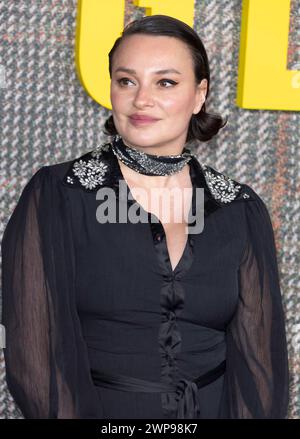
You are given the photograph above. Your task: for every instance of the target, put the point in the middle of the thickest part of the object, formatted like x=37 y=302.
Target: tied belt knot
x=186 y=390
x=187 y=397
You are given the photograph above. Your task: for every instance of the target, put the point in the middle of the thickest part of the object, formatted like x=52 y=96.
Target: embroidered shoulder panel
x=89 y=171
x=223 y=188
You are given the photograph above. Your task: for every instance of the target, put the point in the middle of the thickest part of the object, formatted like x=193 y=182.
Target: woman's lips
x=142 y=120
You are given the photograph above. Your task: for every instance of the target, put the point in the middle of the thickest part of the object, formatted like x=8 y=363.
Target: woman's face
x=170 y=98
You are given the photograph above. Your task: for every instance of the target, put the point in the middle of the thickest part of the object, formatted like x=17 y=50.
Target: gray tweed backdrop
x=47 y=117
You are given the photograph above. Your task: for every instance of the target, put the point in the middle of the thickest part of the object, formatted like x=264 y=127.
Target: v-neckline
x=177 y=266
x=160 y=224
x=162 y=247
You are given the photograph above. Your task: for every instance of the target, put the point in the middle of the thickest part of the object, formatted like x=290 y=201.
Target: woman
x=142 y=319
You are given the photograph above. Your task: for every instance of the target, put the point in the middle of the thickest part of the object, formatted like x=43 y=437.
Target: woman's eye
x=168 y=81
x=122 y=81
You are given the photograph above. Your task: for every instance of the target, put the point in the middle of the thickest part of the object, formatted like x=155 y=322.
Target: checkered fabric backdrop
x=47 y=117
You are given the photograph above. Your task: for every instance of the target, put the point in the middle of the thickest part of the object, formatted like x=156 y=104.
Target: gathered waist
x=186 y=390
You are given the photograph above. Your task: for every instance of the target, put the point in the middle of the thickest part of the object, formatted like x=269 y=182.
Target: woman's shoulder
x=58 y=170
x=255 y=206
x=86 y=170
x=226 y=188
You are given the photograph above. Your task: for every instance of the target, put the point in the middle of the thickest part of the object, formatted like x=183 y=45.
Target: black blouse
x=99 y=325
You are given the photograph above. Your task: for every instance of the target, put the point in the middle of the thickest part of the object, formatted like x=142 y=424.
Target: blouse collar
x=100 y=167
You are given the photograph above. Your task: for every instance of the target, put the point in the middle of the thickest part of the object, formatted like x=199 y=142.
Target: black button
x=171 y=315
x=169 y=357
x=170 y=360
x=157 y=237
x=168 y=277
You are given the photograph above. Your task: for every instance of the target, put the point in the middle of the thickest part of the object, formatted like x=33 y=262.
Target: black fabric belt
x=187 y=391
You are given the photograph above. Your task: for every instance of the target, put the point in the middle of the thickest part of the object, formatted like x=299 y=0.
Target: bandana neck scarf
x=149 y=164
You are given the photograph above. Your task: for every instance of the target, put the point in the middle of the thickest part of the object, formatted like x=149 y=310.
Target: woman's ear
x=201 y=95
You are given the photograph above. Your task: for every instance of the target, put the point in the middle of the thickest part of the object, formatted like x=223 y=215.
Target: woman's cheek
x=173 y=106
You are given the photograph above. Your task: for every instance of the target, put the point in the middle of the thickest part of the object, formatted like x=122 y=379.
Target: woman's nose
x=144 y=96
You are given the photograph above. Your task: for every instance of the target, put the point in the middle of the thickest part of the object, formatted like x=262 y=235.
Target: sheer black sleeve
x=47 y=368
x=256 y=381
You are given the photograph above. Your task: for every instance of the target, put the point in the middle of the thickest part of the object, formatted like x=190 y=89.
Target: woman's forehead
x=151 y=50
x=146 y=40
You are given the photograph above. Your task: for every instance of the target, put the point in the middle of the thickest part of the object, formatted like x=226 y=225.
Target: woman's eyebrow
x=158 y=72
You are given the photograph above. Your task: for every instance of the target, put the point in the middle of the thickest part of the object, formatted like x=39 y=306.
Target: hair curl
x=203 y=125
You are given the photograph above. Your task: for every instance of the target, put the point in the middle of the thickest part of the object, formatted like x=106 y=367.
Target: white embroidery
x=70 y=179
x=97 y=152
x=92 y=172
x=223 y=188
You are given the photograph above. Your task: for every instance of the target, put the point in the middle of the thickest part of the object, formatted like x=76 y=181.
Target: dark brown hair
x=203 y=126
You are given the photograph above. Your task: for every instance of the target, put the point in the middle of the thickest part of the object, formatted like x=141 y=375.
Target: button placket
x=172 y=298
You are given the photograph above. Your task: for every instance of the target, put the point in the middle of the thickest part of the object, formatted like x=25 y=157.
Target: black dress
x=99 y=325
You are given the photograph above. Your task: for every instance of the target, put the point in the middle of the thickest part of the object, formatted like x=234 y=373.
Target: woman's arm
x=47 y=369
x=257 y=376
